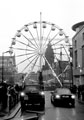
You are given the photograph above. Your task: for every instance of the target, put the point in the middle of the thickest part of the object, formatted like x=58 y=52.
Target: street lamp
x=10 y=51
x=80 y=75
x=80 y=70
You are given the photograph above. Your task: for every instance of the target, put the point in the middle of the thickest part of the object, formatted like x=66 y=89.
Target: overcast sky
x=16 y=13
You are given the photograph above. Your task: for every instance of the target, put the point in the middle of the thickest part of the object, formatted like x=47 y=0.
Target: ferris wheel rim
x=32 y=23
x=49 y=23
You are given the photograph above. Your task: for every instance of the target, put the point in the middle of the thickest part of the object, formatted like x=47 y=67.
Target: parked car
x=32 y=99
x=62 y=96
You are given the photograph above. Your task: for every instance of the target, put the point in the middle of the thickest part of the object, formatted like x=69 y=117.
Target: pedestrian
x=78 y=92
x=4 y=96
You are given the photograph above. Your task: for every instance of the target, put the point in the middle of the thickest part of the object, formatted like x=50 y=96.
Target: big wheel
x=30 y=43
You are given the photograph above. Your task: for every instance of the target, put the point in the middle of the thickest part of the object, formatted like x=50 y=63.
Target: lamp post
x=80 y=75
x=80 y=71
x=71 y=64
x=2 y=67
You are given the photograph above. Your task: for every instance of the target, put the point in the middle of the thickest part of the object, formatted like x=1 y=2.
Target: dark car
x=63 y=96
x=32 y=99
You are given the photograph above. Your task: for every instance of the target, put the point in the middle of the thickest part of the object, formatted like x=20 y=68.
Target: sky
x=16 y=13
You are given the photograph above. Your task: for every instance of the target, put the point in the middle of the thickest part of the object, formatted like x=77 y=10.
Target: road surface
x=55 y=113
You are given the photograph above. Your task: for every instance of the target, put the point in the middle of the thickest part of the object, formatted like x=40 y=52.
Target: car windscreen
x=31 y=88
x=63 y=91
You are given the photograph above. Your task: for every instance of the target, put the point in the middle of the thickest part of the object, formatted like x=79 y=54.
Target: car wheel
x=42 y=106
x=73 y=105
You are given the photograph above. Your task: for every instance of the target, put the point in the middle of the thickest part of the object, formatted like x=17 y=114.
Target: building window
x=83 y=35
x=75 y=43
x=76 y=64
x=83 y=56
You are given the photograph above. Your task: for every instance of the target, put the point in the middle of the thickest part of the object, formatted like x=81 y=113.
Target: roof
x=77 y=25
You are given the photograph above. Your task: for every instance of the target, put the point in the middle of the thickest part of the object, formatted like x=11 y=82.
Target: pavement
x=16 y=109
x=11 y=114
x=80 y=101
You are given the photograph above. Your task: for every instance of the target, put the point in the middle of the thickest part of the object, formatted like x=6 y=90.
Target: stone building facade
x=7 y=67
x=78 y=53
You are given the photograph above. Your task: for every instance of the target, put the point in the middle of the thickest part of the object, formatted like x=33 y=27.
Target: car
x=62 y=96
x=32 y=99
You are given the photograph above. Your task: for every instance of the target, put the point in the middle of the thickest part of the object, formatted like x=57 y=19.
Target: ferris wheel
x=30 y=43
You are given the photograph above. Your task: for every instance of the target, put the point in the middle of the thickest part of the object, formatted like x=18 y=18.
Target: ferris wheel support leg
x=55 y=75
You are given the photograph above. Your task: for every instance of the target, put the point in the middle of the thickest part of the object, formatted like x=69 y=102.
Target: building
x=59 y=68
x=49 y=54
x=7 y=67
x=78 y=53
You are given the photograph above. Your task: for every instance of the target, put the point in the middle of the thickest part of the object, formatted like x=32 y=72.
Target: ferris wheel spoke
x=21 y=42
x=58 y=41
x=56 y=58
x=30 y=63
x=30 y=57
x=42 y=32
x=32 y=53
x=37 y=34
x=53 y=37
x=33 y=38
x=58 y=48
x=20 y=55
x=35 y=62
x=25 y=59
x=46 y=39
x=66 y=52
x=30 y=41
x=59 y=54
x=63 y=70
x=32 y=47
x=23 y=49
x=24 y=54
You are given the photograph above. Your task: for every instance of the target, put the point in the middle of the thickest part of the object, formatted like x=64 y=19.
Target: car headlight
x=42 y=93
x=57 y=96
x=73 y=96
x=22 y=94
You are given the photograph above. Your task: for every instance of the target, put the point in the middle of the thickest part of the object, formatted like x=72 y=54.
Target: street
x=60 y=113
x=55 y=113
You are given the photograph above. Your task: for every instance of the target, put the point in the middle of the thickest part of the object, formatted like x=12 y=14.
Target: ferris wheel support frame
x=55 y=75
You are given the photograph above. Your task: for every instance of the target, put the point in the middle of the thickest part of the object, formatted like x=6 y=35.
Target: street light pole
x=2 y=67
x=80 y=70
x=80 y=76
x=71 y=64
